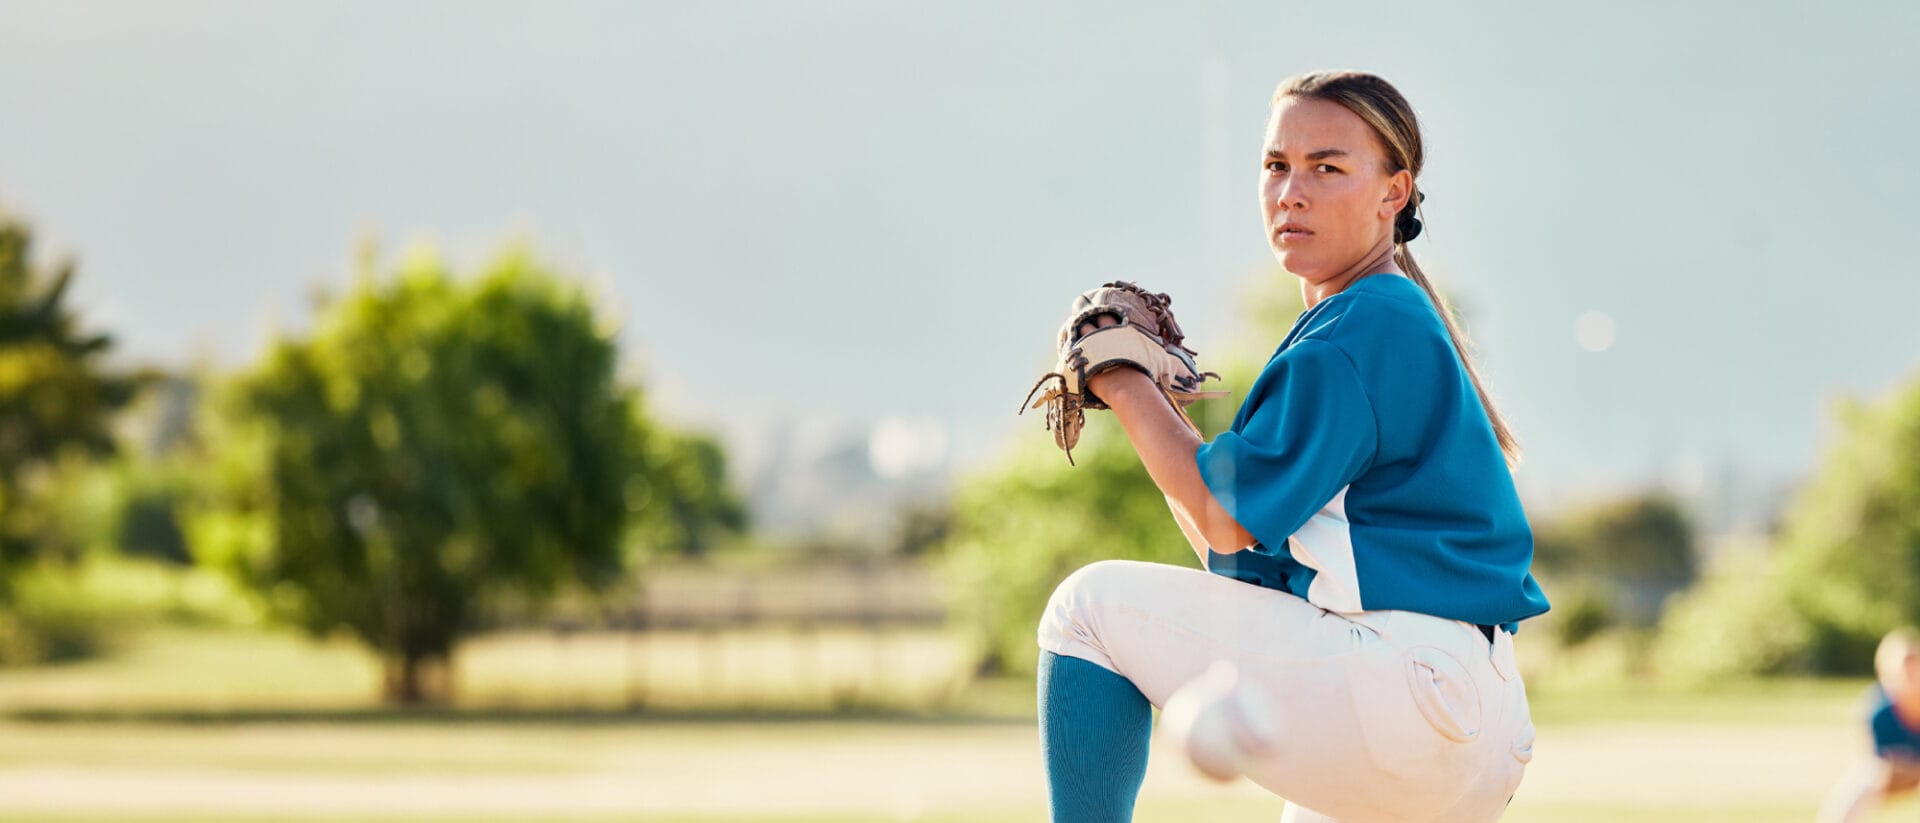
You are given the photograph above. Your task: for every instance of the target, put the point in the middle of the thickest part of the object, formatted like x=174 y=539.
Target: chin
x=1296 y=265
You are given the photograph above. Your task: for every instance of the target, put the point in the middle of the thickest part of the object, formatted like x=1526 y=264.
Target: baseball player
x=1349 y=645
x=1893 y=716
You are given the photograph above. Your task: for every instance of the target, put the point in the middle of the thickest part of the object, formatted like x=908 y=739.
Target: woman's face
x=1327 y=191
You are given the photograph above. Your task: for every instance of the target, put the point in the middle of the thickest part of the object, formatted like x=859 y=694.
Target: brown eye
x=1276 y=166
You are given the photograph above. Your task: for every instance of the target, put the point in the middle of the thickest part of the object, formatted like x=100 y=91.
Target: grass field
x=200 y=726
x=205 y=670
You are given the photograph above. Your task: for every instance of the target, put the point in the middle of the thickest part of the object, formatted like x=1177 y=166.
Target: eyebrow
x=1317 y=154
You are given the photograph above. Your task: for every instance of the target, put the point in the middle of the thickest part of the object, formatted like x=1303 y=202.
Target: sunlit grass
x=172 y=670
x=161 y=668
x=210 y=709
x=1181 y=811
x=1794 y=702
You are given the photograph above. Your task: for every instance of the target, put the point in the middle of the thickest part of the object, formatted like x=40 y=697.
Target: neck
x=1378 y=261
x=1906 y=706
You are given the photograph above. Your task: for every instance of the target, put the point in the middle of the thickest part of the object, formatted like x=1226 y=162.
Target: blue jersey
x=1365 y=467
x=1891 y=738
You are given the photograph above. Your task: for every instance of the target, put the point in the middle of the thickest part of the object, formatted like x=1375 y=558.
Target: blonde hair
x=1381 y=105
x=1891 y=660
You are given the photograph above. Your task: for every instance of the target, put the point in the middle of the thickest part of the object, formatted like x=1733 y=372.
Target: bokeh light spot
x=1594 y=331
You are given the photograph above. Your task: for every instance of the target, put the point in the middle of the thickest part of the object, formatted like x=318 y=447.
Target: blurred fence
x=890 y=593
x=832 y=634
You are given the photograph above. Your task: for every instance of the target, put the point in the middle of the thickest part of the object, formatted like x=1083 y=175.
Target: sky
x=1677 y=232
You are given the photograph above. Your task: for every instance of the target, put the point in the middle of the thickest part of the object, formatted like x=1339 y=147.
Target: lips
x=1289 y=232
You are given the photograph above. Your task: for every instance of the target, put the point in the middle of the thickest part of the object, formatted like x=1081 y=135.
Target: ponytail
x=1382 y=106
x=1509 y=445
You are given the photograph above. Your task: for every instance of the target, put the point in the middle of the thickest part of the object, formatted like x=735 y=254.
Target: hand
x=1118 y=327
x=1099 y=321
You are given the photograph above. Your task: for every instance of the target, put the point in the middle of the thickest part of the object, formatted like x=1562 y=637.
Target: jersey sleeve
x=1891 y=737
x=1308 y=430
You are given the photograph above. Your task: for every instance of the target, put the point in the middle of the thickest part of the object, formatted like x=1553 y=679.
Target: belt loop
x=1503 y=661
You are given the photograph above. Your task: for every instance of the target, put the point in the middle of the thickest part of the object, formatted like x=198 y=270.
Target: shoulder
x=1384 y=309
x=1388 y=329
x=1305 y=362
x=1888 y=729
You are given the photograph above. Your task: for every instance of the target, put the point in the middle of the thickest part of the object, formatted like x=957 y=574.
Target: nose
x=1289 y=194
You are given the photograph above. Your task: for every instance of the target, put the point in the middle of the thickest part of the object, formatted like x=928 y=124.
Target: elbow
x=1224 y=534
x=1228 y=538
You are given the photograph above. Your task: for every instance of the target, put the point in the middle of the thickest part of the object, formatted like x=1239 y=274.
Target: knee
x=1069 y=610
x=1089 y=582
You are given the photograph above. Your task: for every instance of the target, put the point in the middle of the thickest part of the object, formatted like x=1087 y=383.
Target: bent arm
x=1855 y=797
x=1166 y=447
x=1194 y=538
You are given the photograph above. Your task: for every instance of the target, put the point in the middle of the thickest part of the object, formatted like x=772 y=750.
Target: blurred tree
x=436 y=442
x=1644 y=536
x=1580 y=612
x=144 y=513
x=1634 y=551
x=1019 y=529
x=56 y=396
x=1737 y=623
x=132 y=504
x=685 y=505
x=923 y=527
x=1850 y=545
x=1845 y=568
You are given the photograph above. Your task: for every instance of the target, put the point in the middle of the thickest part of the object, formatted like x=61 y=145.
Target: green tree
x=685 y=504
x=57 y=398
x=1637 y=537
x=1022 y=528
x=1736 y=623
x=923 y=528
x=1018 y=529
x=1850 y=546
x=1627 y=554
x=1845 y=568
x=432 y=444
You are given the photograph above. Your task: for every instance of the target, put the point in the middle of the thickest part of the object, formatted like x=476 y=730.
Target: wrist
x=1119 y=384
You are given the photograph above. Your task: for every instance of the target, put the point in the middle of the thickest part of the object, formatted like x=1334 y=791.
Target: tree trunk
x=415 y=678
x=403 y=681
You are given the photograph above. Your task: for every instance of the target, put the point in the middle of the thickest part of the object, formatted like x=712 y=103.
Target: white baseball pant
x=1380 y=715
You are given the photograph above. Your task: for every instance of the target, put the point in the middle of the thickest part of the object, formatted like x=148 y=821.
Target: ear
x=1399 y=188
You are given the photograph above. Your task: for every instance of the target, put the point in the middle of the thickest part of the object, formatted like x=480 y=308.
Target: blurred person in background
x=1893 y=715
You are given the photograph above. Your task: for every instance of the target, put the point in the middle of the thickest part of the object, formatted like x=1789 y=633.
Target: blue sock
x=1093 y=736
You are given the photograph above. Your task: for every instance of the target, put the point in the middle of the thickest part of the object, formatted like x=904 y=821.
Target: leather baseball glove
x=1143 y=335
